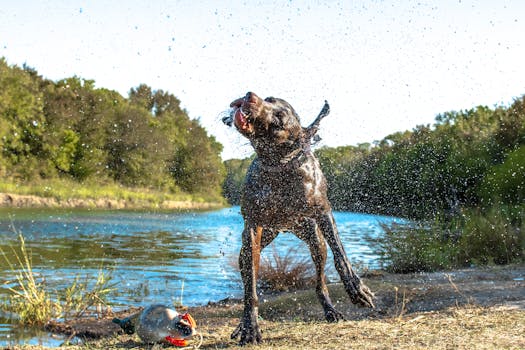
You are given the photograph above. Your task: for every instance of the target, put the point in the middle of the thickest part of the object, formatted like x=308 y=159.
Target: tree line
x=460 y=182
x=466 y=159
x=70 y=128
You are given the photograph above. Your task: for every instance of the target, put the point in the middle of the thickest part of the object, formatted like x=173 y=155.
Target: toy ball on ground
x=160 y=324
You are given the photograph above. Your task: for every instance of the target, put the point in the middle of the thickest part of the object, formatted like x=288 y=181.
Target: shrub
x=496 y=236
x=416 y=247
x=476 y=237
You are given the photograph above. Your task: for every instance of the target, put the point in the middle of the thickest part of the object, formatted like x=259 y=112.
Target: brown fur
x=285 y=190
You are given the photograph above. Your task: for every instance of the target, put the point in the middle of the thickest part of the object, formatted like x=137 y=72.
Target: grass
x=454 y=328
x=28 y=298
x=33 y=304
x=458 y=328
x=279 y=273
x=80 y=296
x=293 y=320
x=64 y=189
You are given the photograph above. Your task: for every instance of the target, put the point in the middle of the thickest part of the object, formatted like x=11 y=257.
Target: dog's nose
x=251 y=97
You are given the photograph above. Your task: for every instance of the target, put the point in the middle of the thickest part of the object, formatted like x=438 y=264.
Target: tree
x=21 y=121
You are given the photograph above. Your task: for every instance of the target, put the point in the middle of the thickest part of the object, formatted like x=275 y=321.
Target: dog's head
x=271 y=125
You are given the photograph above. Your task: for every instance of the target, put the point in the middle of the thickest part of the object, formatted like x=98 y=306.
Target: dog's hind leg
x=310 y=233
x=357 y=290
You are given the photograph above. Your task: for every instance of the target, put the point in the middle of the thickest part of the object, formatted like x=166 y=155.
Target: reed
x=31 y=301
x=84 y=295
x=28 y=298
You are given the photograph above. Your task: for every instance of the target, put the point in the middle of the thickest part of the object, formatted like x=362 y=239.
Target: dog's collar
x=292 y=160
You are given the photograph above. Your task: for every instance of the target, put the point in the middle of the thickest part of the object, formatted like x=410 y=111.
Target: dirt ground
x=465 y=303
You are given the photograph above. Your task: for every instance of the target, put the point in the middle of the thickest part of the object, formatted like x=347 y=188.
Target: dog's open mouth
x=241 y=120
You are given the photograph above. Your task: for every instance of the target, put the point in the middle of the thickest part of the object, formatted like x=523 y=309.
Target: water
x=153 y=257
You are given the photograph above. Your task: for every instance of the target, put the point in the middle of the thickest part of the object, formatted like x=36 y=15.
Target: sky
x=384 y=66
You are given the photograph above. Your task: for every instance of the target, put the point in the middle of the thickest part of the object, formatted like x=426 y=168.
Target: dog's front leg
x=249 y=259
x=357 y=290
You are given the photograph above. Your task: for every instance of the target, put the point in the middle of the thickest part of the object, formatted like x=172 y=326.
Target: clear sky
x=384 y=66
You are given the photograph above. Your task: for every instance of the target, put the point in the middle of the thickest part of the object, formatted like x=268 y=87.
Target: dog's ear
x=312 y=129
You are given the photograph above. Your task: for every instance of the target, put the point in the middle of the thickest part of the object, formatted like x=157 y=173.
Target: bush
x=27 y=298
x=493 y=237
x=505 y=182
x=406 y=248
x=496 y=236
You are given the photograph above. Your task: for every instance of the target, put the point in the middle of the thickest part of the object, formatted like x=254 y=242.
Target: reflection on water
x=152 y=255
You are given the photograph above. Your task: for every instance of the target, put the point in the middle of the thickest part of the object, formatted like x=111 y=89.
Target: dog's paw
x=363 y=296
x=250 y=334
x=333 y=316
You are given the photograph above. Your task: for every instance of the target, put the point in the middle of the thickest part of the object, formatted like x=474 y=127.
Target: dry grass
x=279 y=273
x=453 y=328
x=464 y=328
x=470 y=309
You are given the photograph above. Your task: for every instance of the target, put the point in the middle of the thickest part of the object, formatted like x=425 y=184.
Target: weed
x=399 y=305
x=79 y=297
x=285 y=273
x=28 y=299
x=34 y=304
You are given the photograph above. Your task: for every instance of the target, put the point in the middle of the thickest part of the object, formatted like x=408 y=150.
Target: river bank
x=479 y=308
x=31 y=201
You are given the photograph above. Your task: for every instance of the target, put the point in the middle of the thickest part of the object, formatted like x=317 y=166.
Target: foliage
x=465 y=174
x=235 y=172
x=495 y=236
x=69 y=129
x=428 y=171
x=505 y=182
x=417 y=247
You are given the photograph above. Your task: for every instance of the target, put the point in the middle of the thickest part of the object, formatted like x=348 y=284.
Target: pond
x=154 y=257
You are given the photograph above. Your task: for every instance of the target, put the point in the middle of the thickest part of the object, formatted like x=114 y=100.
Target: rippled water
x=154 y=257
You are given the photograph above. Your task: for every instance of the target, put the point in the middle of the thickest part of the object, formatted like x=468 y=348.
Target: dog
x=285 y=191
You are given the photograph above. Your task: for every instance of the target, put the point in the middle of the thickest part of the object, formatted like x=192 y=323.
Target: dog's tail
x=312 y=129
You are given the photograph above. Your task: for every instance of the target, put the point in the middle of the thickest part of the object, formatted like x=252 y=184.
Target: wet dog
x=285 y=190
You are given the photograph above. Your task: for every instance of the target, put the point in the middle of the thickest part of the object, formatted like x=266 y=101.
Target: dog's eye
x=270 y=99
x=277 y=119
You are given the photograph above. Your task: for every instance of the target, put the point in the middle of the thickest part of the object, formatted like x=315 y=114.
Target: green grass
x=28 y=299
x=64 y=189
x=33 y=303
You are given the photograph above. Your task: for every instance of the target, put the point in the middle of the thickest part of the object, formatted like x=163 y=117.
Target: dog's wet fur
x=285 y=191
